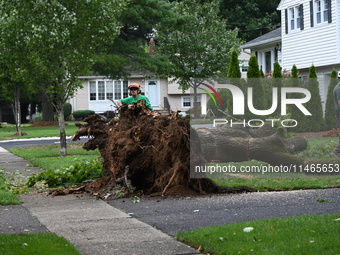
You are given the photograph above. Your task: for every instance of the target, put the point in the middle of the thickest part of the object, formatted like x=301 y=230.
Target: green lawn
x=317 y=234
x=7 y=131
x=36 y=244
x=48 y=156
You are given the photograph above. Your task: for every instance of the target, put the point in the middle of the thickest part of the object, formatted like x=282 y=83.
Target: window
x=106 y=89
x=294 y=18
x=101 y=90
x=244 y=67
x=118 y=90
x=188 y=101
x=325 y=11
x=93 y=90
x=109 y=90
x=320 y=12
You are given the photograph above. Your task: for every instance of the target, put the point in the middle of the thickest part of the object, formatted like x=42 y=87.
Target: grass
x=32 y=244
x=6 y=196
x=318 y=234
x=7 y=131
x=48 y=156
x=319 y=149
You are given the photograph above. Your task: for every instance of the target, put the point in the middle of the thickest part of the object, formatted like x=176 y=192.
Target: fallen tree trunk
x=227 y=144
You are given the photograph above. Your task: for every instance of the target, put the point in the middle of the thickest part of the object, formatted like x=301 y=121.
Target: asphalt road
x=173 y=215
x=35 y=141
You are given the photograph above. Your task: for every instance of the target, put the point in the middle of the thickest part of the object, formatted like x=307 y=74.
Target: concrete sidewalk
x=95 y=227
x=92 y=225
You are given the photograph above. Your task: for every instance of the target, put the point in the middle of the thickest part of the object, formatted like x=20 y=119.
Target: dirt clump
x=144 y=152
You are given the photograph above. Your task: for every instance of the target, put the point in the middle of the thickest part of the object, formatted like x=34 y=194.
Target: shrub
x=67 y=111
x=81 y=114
x=74 y=174
x=330 y=111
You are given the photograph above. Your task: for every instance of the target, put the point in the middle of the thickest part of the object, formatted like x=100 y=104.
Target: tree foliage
x=295 y=113
x=254 y=82
x=330 y=111
x=50 y=43
x=198 y=45
x=315 y=122
x=130 y=51
x=252 y=18
x=234 y=65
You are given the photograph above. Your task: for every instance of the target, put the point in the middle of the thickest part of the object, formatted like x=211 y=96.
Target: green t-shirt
x=130 y=100
x=336 y=94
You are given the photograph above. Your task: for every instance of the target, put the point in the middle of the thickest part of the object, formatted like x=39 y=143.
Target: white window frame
x=190 y=99
x=294 y=18
x=321 y=10
x=105 y=95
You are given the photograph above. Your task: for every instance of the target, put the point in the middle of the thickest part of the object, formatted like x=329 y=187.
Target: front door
x=153 y=92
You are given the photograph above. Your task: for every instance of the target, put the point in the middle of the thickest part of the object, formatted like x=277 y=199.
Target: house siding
x=323 y=46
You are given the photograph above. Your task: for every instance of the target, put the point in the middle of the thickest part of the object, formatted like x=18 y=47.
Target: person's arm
x=119 y=103
x=147 y=103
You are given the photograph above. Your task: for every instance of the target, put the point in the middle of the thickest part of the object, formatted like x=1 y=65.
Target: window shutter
x=329 y=11
x=286 y=21
x=311 y=14
x=302 y=27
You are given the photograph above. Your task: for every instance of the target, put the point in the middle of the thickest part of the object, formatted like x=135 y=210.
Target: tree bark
x=63 y=144
x=47 y=108
x=228 y=144
x=17 y=110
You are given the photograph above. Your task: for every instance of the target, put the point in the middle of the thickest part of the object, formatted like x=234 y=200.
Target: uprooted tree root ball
x=144 y=152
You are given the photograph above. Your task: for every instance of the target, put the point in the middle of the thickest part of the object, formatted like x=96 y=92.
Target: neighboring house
x=267 y=49
x=244 y=62
x=97 y=91
x=310 y=35
x=163 y=94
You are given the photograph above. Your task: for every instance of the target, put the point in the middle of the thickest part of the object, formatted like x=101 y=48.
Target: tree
x=50 y=43
x=11 y=91
x=130 y=50
x=277 y=82
x=295 y=113
x=254 y=81
x=252 y=18
x=234 y=77
x=315 y=122
x=198 y=45
x=234 y=65
x=330 y=111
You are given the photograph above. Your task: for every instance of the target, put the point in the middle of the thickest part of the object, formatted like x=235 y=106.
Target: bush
x=74 y=174
x=81 y=114
x=67 y=111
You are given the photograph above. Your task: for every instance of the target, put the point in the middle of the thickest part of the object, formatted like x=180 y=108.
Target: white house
x=97 y=91
x=310 y=35
x=163 y=94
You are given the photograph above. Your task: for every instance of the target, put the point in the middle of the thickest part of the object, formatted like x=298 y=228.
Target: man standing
x=135 y=95
x=336 y=94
